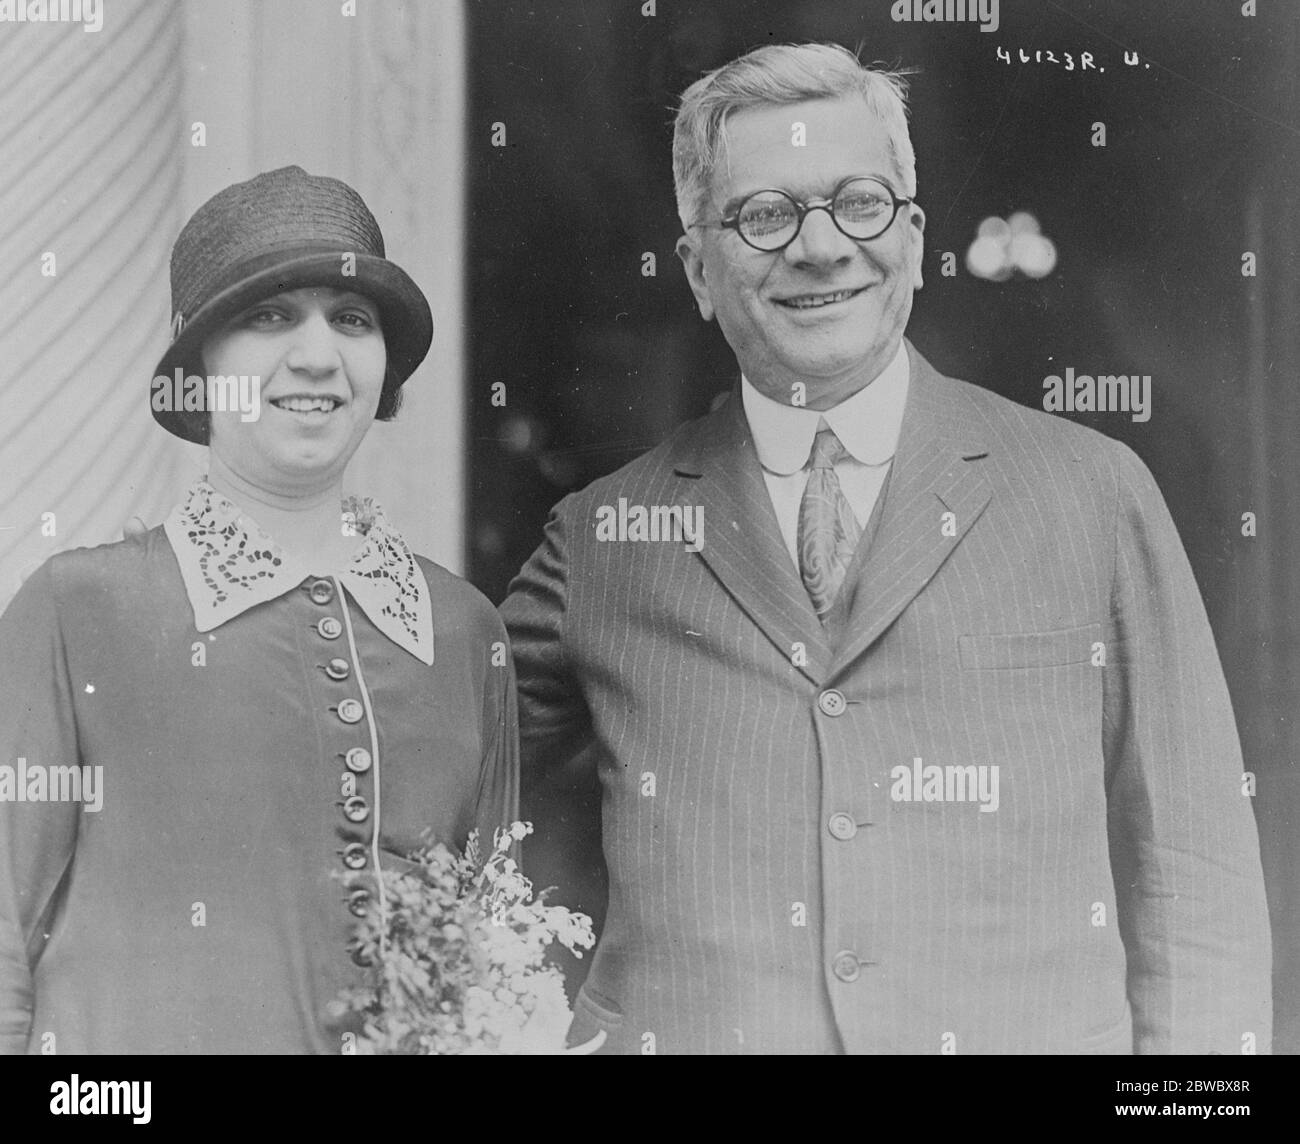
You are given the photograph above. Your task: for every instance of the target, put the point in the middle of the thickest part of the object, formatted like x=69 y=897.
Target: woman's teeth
x=307 y=404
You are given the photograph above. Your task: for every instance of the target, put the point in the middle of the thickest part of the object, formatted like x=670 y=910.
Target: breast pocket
x=1029 y=649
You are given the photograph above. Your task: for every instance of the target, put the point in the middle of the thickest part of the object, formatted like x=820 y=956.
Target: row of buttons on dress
x=357 y=759
x=846 y=965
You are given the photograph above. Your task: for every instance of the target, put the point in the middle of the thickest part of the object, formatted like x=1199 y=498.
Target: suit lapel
x=742 y=540
x=936 y=471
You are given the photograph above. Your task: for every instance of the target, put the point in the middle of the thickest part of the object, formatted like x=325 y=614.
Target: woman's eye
x=263 y=317
x=356 y=319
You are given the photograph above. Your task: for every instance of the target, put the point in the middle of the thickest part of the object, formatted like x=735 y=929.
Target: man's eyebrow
x=733 y=204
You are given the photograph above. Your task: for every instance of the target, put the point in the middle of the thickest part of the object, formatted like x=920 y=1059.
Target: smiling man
x=909 y=594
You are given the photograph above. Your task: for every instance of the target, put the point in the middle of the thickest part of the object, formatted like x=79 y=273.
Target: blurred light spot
x=488 y=540
x=1033 y=255
x=1003 y=246
x=987 y=258
x=1022 y=222
x=558 y=469
x=518 y=434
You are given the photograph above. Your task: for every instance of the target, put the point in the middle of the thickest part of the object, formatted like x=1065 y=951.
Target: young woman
x=269 y=696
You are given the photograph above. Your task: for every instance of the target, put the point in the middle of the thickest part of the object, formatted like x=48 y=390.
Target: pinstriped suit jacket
x=771 y=888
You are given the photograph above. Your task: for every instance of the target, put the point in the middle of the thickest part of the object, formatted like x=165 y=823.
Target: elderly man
x=909 y=723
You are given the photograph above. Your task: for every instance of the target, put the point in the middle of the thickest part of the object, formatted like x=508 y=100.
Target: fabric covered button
x=358 y=760
x=321 y=592
x=329 y=628
x=356 y=809
x=351 y=711
x=338 y=669
x=354 y=856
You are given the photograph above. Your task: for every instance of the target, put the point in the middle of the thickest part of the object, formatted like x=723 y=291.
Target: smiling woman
x=281 y=697
x=320 y=351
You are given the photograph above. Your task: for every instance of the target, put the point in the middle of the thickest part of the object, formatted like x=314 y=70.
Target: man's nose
x=820 y=242
x=315 y=346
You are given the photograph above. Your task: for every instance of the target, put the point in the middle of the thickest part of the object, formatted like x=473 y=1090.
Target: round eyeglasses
x=861 y=208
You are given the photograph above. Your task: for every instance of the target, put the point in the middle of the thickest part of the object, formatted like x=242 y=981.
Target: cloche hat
x=279 y=231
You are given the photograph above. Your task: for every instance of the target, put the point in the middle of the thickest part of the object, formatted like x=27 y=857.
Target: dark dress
x=196 y=910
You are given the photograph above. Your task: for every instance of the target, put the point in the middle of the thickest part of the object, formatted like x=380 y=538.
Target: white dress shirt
x=867 y=424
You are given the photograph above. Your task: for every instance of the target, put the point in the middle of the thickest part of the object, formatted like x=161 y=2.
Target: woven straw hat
x=282 y=230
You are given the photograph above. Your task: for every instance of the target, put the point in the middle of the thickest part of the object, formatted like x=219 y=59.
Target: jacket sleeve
x=37 y=839
x=554 y=722
x=1183 y=841
x=498 y=794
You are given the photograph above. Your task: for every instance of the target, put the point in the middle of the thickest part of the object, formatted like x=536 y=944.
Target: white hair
x=780 y=74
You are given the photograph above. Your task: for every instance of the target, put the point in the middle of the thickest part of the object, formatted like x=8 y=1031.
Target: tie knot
x=826 y=449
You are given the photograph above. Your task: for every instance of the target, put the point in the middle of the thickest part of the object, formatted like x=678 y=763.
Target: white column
x=376 y=99
x=98 y=168
x=90 y=171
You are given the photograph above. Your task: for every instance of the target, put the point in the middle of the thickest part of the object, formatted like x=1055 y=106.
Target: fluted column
x=376 y=99
x=89 y=175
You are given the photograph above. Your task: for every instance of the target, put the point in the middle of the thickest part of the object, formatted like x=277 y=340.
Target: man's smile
x=817 y=300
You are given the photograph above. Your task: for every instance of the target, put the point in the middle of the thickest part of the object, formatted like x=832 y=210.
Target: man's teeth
x=808 y=301
x=306 y=404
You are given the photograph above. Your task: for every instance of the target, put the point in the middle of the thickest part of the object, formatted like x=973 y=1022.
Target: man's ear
x=688 y=250
x=916 y=219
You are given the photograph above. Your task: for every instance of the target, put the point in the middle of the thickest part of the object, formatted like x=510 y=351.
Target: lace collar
x=230 y=564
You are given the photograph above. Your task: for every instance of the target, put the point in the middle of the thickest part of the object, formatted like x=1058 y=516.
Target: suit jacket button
x=358 y=760
x=832 y=702
x=357 y=902
x=843 y=827
x=338 y=669
x=329 y=628
x=356 y=809
x=351 y=711
x=846 y=966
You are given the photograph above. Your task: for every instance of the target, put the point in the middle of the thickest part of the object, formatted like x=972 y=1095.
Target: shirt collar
x=867 y=423
x=229 y=564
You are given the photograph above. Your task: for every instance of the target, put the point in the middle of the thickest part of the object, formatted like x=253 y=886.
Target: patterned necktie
x=828 y=530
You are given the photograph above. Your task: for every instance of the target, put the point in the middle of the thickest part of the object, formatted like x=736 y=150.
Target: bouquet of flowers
x=456 y=956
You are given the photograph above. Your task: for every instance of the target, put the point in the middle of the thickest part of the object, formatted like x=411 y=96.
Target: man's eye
x=767 y=216
x=861 y=206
